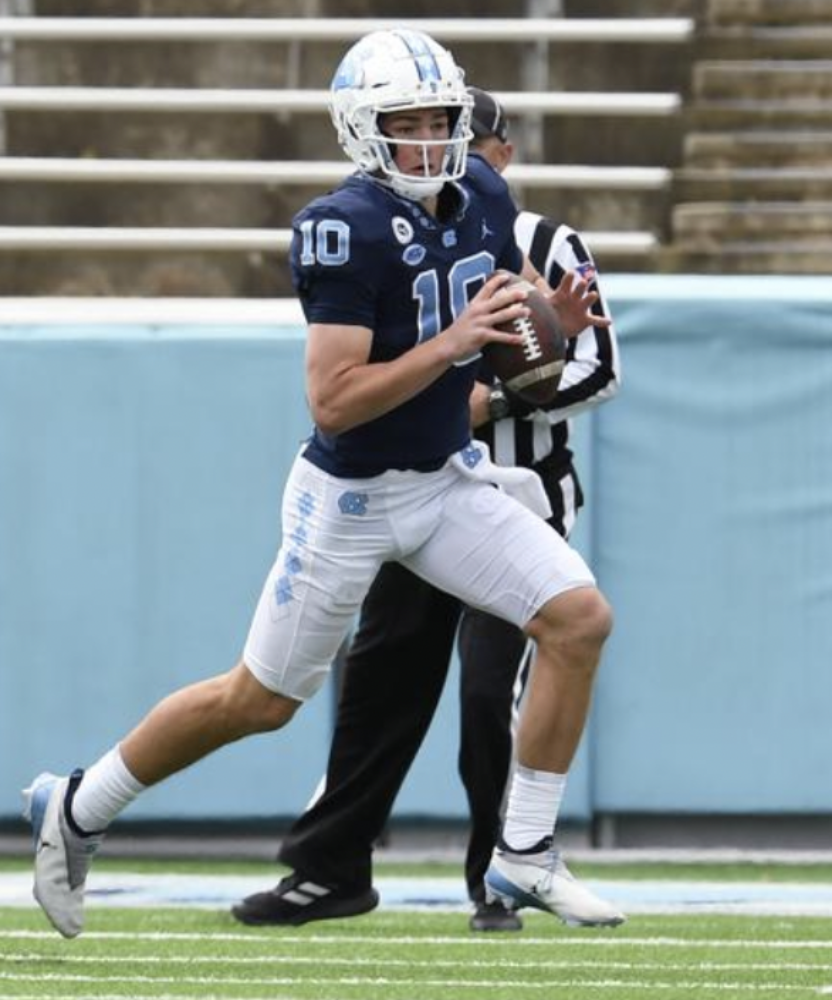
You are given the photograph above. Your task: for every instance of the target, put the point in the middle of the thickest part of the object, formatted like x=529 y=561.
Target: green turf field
x=166 y=953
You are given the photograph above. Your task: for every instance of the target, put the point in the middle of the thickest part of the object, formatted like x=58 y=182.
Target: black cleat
x=494 y=917
x=299 y=900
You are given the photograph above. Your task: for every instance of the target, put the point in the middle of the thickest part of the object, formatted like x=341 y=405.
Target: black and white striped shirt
x=592 y=372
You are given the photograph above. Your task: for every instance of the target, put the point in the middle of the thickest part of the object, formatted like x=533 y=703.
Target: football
x=531 y=369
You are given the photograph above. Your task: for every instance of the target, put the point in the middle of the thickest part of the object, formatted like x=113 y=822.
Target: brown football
x=531 y=369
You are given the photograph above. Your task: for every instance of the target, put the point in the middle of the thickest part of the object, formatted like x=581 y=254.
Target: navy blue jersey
x=363 y=256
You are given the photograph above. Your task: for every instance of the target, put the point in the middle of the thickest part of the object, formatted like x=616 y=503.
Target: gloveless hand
x=573 y=303
x=477 y=324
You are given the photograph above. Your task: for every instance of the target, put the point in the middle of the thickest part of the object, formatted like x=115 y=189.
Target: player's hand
x=573 y=301
x=477 y=324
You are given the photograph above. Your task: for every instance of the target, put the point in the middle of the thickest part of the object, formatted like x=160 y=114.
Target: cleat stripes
x=306 y=893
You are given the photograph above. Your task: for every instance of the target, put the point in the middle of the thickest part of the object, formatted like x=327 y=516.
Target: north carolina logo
x=414 y=255
x=471 y=455
x=353 y=503
x=402 y=230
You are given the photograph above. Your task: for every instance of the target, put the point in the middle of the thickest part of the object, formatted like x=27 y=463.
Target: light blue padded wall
x=712 y=535
x=140 y=478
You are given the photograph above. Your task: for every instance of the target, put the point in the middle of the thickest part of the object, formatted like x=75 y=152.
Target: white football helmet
x=389 y=71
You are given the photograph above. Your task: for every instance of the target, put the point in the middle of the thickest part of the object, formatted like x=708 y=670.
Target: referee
x=398 y=661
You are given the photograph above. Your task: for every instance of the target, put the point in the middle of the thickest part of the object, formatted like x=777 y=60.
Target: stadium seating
x=166 y=155
x=187 y=143
x=754 y=191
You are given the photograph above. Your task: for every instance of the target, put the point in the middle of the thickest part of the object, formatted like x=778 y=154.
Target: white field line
x=146 y=996
x=285 y=996
x=561 y=964
x=478 y=984
x=41 y=995
x=158 y=996
x=125 y=890
x=603 y=939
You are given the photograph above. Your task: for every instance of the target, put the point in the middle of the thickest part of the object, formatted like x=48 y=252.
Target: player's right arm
x=345 y=389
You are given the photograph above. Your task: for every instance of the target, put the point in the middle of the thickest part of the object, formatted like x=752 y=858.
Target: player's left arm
x=573 y=298
x=593 y=371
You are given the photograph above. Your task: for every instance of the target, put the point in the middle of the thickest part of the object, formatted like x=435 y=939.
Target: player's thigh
x=495 y=554
x=330 y=553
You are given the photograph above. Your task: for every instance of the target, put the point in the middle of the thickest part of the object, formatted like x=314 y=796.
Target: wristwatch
x=498 y=405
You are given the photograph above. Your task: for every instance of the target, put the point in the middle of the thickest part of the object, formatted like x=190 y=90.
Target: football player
x=399 y=658
x=396 y=274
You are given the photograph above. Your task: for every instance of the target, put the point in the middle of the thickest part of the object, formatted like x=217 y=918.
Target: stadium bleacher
x=90 y=165
x=195 y=139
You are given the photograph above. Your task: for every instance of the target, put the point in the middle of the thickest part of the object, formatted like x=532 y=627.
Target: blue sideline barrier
x=140 y=477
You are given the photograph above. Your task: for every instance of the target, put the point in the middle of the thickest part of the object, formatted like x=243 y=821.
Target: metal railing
x=113 y=238
x=282 y=101
x=300 y=172
x=303 y=101
x=287 y=29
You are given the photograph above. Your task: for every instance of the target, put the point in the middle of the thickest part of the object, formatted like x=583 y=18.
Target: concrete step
x=155 y=274
x=765 y=79
x=750 y=113
x=33 y=203
x=786 y=257
x=744 y=42
x=758 y=12
x=172 y=135
x=758 y=148
x=763 y=184
x=695 y=224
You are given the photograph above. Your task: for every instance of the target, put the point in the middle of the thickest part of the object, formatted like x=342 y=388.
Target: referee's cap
x=488 y=117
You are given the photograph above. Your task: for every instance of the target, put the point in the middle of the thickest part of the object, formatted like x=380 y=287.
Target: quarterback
x=395 y=271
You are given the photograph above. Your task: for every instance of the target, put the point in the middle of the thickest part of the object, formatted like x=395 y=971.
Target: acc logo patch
x=402 y=229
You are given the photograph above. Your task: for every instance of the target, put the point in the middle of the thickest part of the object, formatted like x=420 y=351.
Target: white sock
x=533 y=805
x=106 y=788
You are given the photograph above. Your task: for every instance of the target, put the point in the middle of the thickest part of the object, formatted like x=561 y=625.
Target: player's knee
x=579 y=621
x=250 y=707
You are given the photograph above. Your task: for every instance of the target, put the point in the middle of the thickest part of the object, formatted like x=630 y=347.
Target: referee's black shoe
x=299 y=900
x=494 y=917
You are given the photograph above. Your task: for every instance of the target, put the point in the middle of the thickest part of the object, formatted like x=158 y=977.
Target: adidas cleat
x=299 y=900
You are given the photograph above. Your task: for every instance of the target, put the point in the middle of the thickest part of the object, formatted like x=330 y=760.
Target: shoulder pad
x=483 y=178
